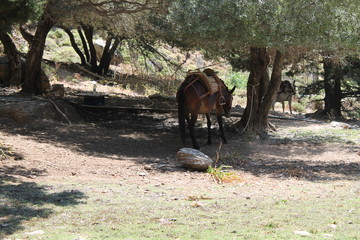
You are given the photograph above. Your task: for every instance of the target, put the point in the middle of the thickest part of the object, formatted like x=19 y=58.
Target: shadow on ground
x=21 y=201
x=301 y=159
x=153 y=137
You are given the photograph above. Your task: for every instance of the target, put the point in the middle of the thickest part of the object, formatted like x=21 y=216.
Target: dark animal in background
x=285 y=93
x=200 y=93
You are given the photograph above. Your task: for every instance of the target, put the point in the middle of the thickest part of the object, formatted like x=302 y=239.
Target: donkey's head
x=225 y=101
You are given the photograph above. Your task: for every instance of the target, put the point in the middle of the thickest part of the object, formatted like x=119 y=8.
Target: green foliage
x=238 y=79
x=18 y=11
x=298 y=107
x=65 y=54
x=276 y=24
x=59 y=48
x=58 y=33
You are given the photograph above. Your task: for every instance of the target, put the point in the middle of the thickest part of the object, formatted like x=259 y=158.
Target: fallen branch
x=56 y=108
x=59 y=111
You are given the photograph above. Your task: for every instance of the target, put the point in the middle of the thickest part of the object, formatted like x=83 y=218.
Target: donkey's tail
x=181 y=112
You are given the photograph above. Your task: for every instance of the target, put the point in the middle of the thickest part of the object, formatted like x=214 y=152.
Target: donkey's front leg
x=219 y=118
x=209 y=128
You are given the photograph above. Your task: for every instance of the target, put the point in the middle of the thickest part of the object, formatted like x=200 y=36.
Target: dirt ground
x=140 y=147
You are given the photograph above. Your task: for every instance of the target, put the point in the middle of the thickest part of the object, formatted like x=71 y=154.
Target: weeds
x=222 y=174
x=4 y=152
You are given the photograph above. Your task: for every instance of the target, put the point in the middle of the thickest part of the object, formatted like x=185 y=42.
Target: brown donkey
x=194 y=97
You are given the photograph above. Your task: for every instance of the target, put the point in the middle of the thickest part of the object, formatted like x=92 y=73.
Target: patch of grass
x=114 y=211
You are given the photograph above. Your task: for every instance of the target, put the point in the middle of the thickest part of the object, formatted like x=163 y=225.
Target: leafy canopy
x=225 y=25
x=18 y=11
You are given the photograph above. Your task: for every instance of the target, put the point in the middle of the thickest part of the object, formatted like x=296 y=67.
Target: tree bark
x=104 y=56
x=260 y=92
x=89 y=34
x=332 y=87
x=13 y=56
x=36 y=81
x=26 y=35
x=75 y=46
x=84 y=44
x=107 y=55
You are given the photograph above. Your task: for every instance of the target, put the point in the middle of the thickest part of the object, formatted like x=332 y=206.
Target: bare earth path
x=116 y=151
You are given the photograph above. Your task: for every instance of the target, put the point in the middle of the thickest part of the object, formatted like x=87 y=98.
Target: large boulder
x=193 y=159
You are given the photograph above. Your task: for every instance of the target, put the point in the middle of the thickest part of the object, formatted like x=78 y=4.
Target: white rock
x=333 y=226
x=193 y=159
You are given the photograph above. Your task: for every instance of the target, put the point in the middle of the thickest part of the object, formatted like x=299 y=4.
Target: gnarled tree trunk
x=332 y=86
x=14 y=60
x=89 y=35
x=107 y=55
x=260 y=92
x=36 y=81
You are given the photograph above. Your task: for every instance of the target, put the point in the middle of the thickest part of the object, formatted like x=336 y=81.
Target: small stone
x=333 y=226
x=302 y=233
x=147 y=167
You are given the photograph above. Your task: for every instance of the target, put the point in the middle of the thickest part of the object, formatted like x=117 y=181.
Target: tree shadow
x=153 y=138
x=307 y=170
x=21 y=201
x=284 y=158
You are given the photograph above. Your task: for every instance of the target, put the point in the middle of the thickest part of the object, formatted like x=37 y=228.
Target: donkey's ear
x=232 y=90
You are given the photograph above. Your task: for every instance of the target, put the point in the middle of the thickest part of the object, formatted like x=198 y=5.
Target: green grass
x=116 y=211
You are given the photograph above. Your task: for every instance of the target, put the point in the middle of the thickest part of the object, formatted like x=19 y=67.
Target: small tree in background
x=69 y=13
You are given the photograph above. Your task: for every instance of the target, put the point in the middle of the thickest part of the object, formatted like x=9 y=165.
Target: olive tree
x=265 y=32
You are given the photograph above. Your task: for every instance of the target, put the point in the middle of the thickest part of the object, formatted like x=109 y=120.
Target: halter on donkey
x=200 y=93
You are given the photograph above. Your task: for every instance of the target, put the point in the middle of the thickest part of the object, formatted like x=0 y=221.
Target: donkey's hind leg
x=290 y=106
x=208 y=128
x=192 y=131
